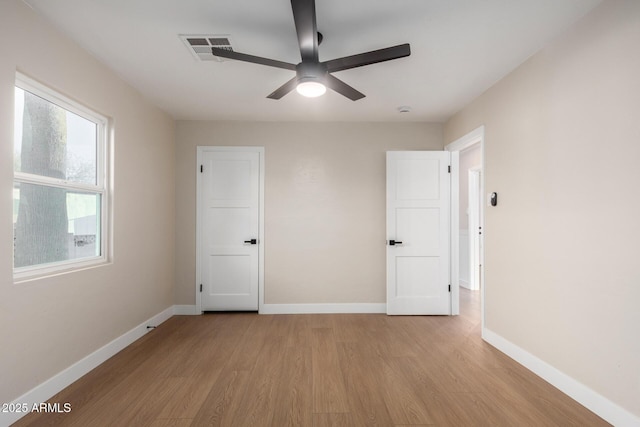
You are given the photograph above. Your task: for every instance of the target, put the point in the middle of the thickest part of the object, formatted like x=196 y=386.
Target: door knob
x=252 y=241
x=394 y=242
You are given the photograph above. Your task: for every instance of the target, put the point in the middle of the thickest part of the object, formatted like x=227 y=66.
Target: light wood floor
x=315 y=370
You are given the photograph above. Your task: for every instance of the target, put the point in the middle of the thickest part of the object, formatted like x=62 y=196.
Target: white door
x=418 y=204
x=229 y=232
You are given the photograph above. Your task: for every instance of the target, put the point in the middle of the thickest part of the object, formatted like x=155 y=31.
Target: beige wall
x=562 y=151
x=47 y=325
x=324 y=204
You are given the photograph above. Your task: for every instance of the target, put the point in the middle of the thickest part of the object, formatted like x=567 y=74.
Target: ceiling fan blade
x=304 y=15
x=284 y=89
x=342 y=88
x=251 y=58
x=367 y=58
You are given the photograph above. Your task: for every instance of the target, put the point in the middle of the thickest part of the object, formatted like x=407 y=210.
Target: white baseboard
x=464 y=284
x=58 y=382
x=182 y=310
x=323 y=308
x=593 y=401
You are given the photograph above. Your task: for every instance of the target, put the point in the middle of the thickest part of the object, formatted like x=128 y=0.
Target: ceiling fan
x=312 y=76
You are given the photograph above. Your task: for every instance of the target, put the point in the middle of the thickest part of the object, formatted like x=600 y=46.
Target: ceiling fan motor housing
x=311 y=71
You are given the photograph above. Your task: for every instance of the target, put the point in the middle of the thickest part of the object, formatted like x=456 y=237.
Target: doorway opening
x=467 y=225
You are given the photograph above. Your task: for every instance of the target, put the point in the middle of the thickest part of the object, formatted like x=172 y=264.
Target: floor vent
x=200 y=45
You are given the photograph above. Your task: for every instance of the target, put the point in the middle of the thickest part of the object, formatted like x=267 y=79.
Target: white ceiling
x=459 y=49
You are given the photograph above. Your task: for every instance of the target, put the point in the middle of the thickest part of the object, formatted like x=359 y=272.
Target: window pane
x=53 y=142
x=54 y=224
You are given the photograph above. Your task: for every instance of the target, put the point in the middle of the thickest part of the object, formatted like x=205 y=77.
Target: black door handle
x=394 y=242
x=252 y=241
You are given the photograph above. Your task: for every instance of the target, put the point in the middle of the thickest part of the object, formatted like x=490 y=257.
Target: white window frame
x=100 y=188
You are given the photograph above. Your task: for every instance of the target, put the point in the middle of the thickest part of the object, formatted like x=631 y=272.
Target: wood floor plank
x=143 y=410
x=378 y=358
x=394 y=333
x=204 y=366
x=223 y=401
x=319 y=321
x=329 y=393
x=249 y=344
x=172 y=422
x=131 y=389
x=349 y=327
x=439 y=404
x=260 y=399
x=188 y=398
x=295 y=391
x=404 y=405
x=344 y=419
x=294 y=328
x=479 y=409
x=365 y=396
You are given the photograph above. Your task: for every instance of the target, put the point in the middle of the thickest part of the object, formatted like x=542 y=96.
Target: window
x=59 y=184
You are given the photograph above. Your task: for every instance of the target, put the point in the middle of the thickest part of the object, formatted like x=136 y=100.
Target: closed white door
x=229 y=231
x=418 y=222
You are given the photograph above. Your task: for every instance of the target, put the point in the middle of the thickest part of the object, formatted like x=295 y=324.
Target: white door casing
x=230 y=235
x=418 y=207
x=476 y=136
x=475 y=228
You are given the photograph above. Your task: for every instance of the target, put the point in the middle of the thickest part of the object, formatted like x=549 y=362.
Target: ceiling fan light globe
x=311 y=89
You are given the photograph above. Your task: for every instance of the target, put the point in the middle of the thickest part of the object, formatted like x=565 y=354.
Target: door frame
x=474 y=137
x=201 y=149
x=475 y=218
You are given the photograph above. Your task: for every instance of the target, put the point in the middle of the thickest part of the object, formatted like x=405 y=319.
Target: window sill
x=43 y=272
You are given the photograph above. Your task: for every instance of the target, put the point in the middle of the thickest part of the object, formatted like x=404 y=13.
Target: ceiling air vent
x=200 y=45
